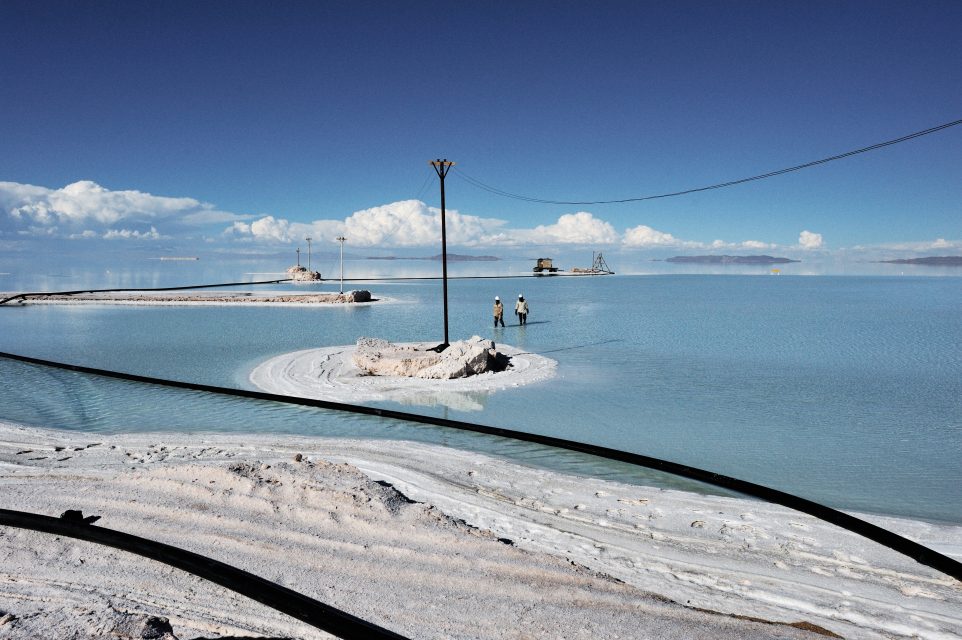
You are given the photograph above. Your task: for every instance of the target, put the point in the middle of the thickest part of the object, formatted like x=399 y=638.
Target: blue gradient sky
x=300 y=114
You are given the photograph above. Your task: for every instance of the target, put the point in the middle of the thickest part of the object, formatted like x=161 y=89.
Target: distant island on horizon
x=452 y=257
x=730 y=260
x=941 y=261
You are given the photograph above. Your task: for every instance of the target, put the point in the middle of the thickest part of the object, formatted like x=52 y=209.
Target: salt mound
x=330 y=373
x=461 y=359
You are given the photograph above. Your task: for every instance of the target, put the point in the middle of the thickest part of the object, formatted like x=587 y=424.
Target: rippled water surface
x=847 y=390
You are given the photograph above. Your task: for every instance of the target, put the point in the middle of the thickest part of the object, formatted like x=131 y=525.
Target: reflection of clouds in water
x=329 y=374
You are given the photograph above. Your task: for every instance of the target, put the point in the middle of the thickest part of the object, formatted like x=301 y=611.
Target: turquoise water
x=844 y=389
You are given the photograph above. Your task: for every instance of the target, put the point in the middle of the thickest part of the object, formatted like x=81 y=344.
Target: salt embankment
x=489 y=549
x=223 y=298
x=331 y=523
x=329 y=373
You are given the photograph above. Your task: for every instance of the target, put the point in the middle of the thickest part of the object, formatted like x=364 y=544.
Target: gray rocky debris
x=86 y=623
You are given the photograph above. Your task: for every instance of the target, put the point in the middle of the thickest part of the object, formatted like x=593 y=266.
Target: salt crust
x=330 y=374
x=315 y=299
x=323 y=527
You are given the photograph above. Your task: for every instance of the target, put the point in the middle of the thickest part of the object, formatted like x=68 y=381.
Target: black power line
x=507 y=194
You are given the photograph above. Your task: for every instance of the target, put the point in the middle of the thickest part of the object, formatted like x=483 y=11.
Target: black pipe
x=24 y=296
x=275 y=596
x=910 y=548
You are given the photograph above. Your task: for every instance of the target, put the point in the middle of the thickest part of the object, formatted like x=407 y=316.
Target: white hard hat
x=520 y=296
x=496 y=298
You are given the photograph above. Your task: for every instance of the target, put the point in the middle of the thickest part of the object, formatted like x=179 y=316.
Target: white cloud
x=211 y=216
x=572 y=228
x=809 y=240
x=744 y=245
x=405 y=223
x=86 y=204
x=645 y=236
x=924 y=246
x=942 y=243
x=86 y=201
x=238 y=229
x=413 y=223
x=85 y=209
x=408 y=223
x=114 y=234
x=269 y=228
x=86 y=234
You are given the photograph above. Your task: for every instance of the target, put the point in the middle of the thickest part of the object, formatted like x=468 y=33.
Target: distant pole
x=308 y=253
x=298 y=256
x=441 y=167
x=341 y=239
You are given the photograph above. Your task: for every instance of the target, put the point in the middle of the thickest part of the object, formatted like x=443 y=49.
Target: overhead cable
x=507 y=194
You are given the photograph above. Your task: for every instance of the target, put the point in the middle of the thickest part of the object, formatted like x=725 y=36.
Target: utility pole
x=298 y=256
x=441 y=167
x=341 y=239
x=308 y=253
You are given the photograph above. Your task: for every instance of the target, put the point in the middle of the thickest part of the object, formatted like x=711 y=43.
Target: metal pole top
x=441 y=167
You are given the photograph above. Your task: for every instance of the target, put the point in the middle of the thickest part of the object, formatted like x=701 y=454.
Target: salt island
x=411 y=373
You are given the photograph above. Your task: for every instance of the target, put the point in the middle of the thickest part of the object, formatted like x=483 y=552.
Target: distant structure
x=341 y=239
x=544 y=265
x=598 y=267
x=302 y=274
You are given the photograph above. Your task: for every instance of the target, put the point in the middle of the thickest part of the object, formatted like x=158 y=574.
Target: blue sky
x=234 y=126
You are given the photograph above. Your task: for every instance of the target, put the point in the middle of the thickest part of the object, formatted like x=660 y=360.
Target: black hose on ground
x=275 y=596
x=900 y=544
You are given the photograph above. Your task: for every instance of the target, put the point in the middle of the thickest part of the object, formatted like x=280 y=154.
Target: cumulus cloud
x=809 y=240
x=85 y=210
x=86 y=204
x=942 y=243
x=571 y=228
x=269 y=228
x=412 y=223
x=407 y=223
x=645 y=236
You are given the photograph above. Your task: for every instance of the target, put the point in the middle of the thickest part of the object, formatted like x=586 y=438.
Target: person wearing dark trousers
x=521 y=310
x=498 y=312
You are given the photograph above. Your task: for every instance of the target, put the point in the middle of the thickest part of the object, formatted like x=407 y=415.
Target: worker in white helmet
x=498 y=311
x=521 y=310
